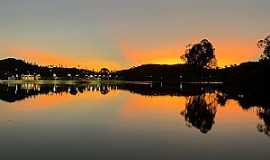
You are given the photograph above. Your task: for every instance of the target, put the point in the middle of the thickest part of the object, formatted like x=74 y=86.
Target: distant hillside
x=247 y=74
x=11 y=67
x=156 y=72
x=243 y=73
x=252 y=76
x=11 y=63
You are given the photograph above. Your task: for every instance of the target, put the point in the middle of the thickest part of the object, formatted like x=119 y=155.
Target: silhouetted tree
x=265 y=45
x=202 y=54
x=104 y=71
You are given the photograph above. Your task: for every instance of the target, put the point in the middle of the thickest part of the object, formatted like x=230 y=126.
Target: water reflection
x=200 y=111
x=202 y=100
x=16 y=92
x=264 y=115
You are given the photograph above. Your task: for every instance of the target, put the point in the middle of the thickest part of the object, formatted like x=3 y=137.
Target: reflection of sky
x=120 y=125
x=122 y=33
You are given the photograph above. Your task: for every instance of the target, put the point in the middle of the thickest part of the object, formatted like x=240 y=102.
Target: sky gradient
x=123 y=33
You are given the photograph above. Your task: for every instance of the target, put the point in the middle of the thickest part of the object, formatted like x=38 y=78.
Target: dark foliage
x=264 y=114
x=265 y=45
x=200 y=112
x=201 y=54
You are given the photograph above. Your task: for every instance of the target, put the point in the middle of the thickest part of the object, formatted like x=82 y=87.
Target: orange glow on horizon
x=166 y=55
x=227 y=53
x=45 y=58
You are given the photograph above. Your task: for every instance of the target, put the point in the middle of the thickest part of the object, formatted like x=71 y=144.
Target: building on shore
x=30 y=77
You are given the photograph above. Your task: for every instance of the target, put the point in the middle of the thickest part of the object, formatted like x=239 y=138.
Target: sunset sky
x=123 y=33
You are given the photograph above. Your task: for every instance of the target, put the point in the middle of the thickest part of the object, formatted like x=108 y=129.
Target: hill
x=11 y=67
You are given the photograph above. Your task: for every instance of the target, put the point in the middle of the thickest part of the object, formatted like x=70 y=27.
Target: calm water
x=130 y=122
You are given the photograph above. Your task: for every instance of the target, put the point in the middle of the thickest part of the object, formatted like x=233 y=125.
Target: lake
x=131 y=121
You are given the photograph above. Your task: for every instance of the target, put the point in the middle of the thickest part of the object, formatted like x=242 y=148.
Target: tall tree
x=265 y=45
x=202 y=54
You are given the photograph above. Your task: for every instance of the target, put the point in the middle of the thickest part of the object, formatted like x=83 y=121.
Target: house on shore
x=30 y=77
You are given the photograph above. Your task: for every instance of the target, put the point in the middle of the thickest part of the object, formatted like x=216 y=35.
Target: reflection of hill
x=17 y=92
x=201 y=105
x=250 y=96
x=20 y=92
x=158 y=89
x=246 y=97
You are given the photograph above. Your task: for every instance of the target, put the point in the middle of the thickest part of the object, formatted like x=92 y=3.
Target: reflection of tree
x=264 y=114
x=81 y=89
x=221 y=98
x=104 y=89
x=73 y=90
x=200 y=111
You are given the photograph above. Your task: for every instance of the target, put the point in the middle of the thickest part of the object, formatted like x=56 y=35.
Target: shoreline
x=95 y=82
x=73 y=82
